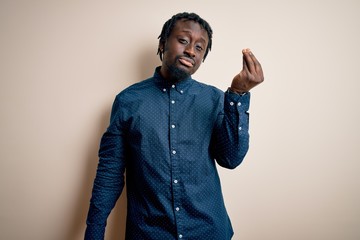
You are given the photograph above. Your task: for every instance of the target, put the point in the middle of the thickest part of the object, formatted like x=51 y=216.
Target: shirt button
x=173 y=126
x=177 y=209
x=173 y=86
x=175 y=181
x=172 y=101
x=240 y=128
x=239 y=104
x=164 y=90
x=180 y=236
x=173 y=152
x=181 y=91
x=231 y=103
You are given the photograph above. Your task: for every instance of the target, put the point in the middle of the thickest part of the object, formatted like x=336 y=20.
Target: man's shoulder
x=143 y=84
x=209 y=89
x=136 y=88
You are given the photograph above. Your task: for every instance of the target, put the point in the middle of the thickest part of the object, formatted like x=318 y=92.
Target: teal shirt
x=168 y=138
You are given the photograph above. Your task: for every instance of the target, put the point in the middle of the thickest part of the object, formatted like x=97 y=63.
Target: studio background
x=63 y=62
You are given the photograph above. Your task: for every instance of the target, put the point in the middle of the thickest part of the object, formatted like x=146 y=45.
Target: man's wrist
x=232 y=90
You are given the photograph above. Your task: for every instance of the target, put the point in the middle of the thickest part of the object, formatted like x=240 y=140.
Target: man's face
x=184 y=50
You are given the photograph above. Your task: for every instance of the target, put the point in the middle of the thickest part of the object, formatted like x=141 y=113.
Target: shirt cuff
x=234 y=102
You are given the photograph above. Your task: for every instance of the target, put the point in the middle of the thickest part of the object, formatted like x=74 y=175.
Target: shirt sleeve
x=109 y=180
x=230 y=141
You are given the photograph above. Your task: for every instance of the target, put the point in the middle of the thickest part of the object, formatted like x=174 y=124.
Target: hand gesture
x=250 y=76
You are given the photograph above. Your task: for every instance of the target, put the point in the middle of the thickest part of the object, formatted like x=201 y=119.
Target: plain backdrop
x=63 y=62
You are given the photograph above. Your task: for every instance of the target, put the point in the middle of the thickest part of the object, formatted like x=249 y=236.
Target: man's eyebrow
x=189 y=32
x=186 y=31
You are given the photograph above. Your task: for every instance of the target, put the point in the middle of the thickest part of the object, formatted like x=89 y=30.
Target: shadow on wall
x=147 y=61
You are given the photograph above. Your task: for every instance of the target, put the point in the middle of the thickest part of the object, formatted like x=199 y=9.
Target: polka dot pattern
x=168 y=138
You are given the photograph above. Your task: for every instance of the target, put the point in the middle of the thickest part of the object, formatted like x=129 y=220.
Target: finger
x=248 y=58
x=245 y=74
x=257 y=64
x=245 y=67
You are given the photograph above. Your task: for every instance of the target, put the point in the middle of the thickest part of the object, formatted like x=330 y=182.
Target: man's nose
x=190 y=50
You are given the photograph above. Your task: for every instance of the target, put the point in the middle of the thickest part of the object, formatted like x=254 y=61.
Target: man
x=167 y=132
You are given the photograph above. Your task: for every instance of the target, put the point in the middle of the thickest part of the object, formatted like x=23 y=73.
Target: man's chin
x=179 y=73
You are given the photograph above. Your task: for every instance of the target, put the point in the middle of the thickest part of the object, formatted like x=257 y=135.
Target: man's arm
x=230 y=140
x=109 y=180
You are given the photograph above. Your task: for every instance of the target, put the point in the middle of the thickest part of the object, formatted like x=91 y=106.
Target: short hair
x=169 y=25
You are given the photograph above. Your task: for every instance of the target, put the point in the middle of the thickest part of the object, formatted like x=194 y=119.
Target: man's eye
x=199 y=48
x=183 y=41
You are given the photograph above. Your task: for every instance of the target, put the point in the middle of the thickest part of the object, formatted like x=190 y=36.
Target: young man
x=168 y=132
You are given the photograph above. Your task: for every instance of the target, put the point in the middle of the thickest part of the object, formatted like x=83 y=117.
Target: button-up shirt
x=169 y=137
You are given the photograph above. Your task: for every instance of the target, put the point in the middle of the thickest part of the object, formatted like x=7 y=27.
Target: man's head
x=184 y=43
x=169 y=25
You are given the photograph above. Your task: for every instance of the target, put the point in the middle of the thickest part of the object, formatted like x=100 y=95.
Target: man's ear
x=161 y=47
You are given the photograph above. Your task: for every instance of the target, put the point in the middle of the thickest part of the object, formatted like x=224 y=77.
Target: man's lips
x=187 y=61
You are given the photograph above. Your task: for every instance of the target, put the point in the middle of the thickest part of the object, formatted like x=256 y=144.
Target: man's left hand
x=250 y=76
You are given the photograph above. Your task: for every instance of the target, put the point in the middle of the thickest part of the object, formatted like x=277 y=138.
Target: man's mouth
x=188 y=62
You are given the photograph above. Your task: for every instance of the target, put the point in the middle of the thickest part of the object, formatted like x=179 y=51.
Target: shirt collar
x=162 y=83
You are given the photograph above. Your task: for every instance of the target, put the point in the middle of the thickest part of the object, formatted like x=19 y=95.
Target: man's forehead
x=183 y=22
x=187 y=26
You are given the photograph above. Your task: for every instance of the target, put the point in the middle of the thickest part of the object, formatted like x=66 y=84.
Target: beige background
x=63 y=62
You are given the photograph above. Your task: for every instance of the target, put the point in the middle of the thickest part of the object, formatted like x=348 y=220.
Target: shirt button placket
x=239 y=105
x=175 y=158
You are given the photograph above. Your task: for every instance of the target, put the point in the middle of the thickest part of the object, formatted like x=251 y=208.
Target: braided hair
x=169 y=25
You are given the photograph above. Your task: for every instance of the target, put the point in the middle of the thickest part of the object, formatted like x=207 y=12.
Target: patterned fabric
x=169 y=137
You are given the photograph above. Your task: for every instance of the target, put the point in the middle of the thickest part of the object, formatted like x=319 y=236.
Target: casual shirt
x=169 y=137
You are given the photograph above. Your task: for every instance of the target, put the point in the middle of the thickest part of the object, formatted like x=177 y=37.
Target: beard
x=177 y=74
